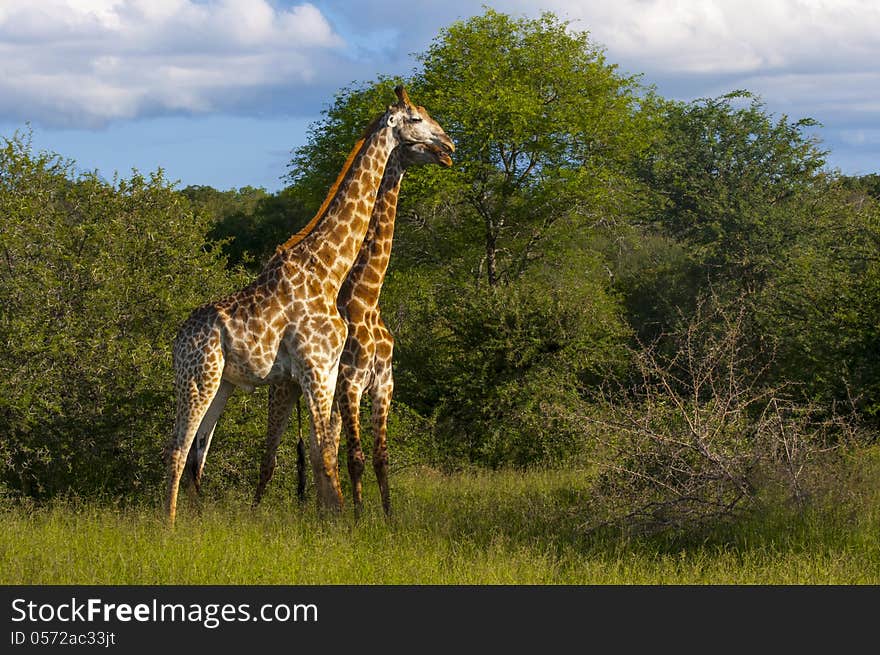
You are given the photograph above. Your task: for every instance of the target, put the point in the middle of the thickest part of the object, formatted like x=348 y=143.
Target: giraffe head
x=421 y=137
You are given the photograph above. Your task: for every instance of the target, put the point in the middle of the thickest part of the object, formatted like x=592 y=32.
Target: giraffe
x=365 y=364
x=284 y=329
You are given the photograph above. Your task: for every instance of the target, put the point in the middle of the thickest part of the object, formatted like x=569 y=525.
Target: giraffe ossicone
x=284 y=329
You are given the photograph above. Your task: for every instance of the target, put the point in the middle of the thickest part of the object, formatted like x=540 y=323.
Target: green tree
x=863 y=185
x=219 y=204
x=249 y=223
x=722 y=169
x=496 y=295
x=749 y=214
x=543 y=127
x=722 y=174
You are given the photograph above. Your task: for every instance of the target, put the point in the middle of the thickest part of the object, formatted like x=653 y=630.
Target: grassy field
x=478 y=528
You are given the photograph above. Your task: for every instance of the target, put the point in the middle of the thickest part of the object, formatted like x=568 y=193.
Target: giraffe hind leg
x=195 y=395
x=281 y=400
x=198 y=452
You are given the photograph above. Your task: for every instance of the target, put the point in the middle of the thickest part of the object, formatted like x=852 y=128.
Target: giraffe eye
x=416 y=119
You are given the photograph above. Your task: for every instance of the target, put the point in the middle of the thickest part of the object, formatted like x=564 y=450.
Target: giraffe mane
x=355 y=151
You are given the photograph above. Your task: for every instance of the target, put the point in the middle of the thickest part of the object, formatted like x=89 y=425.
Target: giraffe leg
x=382 y=390
x=282 y=396
x=198 y=452
x=348 y=397
x=323 y=451
x=194 y=398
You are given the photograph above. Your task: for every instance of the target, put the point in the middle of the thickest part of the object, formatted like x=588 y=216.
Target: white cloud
x=815 y=58
x=89 y=62
x=730 y=36
x=86 y=62
x=682 y=36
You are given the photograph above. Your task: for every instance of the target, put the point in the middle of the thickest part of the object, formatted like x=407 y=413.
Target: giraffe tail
x=300 y=457
x=193 y=474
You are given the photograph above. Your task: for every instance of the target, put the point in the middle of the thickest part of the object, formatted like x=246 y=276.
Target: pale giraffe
x=284 y=329
x=365 y=364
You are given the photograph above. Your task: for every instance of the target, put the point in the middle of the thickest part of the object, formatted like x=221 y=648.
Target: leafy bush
x=495 y=366
x=95 y=278
x=822 y=302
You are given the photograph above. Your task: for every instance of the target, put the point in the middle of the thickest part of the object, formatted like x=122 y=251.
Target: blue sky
x=218 y=92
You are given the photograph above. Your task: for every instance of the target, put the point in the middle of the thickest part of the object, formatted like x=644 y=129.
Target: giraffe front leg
x=318 y=361
x=382 y=390
x=323 y=442
x=282 y=397
x=348 y=398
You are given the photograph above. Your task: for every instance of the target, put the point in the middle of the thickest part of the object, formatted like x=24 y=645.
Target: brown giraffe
x=284 y=329
x=365 y=364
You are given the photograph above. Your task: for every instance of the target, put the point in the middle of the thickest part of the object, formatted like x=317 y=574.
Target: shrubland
x=678 y=297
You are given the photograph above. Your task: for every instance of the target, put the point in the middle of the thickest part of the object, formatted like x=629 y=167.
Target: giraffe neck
x=364 y=281
x=334 y=237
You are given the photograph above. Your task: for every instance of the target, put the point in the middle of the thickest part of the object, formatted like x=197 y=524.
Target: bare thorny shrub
x=700 y=436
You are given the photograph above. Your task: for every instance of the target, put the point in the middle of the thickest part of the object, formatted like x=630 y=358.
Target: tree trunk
x=491 y=270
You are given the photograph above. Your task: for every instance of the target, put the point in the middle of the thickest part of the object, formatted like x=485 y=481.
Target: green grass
x=477 y=528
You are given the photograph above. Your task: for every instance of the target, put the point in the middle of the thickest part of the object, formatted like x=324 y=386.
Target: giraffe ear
x=392 y=120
